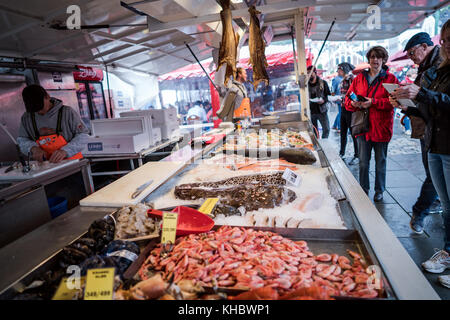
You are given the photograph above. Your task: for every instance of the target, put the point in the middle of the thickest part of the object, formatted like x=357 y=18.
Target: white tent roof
x=159 y=46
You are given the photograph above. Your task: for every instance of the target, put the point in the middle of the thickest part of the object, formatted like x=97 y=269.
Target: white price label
x=291 y=177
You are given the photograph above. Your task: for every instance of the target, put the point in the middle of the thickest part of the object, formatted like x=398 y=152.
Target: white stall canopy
x=149 y=36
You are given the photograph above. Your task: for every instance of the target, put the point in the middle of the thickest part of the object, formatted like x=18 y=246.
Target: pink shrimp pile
x=248 y=259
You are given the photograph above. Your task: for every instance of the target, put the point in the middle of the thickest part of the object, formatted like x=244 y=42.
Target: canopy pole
x=301 y=50
x=111 y=111
x=187 y=45
x=295 y=55
x=325 y=41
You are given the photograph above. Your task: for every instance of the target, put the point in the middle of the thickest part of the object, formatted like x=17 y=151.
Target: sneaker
x=342 y=155
x=378 y=196
x=445 y=280
x=438 y=262
x=354 y=161
x=408 y=132
x=435 y=208
x=416 y=223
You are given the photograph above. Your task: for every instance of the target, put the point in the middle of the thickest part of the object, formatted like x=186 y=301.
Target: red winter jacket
x=381 y=113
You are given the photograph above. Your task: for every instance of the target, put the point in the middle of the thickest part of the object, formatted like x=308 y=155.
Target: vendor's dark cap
x=419 y=38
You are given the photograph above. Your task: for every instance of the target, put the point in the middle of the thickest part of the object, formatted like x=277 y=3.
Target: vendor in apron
x=49 y=130
x=236 y=104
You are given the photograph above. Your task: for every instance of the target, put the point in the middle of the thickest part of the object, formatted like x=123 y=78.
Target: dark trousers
x=325 y=124
x=346 y=120
x=427 y=193
x=365 y=153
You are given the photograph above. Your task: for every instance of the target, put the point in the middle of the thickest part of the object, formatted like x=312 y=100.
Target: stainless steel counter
x=45 y=179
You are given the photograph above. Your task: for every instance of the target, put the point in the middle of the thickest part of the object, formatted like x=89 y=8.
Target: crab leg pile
x=247 y=259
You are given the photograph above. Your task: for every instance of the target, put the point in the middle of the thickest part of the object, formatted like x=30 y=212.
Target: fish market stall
x=281 y=215
x=328 y=240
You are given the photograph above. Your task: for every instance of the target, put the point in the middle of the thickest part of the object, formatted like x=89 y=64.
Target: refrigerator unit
x=91 y=99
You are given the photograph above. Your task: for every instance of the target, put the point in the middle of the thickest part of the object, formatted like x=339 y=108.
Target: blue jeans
x=427 y=193
x=365 y=153
x=337 y=121
x=440 y=174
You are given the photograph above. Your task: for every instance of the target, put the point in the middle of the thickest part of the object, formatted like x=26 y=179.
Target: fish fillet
x=257 y=47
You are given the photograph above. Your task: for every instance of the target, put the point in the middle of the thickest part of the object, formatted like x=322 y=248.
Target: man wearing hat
x=422 y=51
x=345 y=71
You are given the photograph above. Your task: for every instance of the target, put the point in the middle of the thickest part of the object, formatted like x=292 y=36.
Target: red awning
x=399 y=64
x=275 y=59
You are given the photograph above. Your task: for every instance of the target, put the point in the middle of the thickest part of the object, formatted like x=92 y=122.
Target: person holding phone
x=367 y=86
x=422 y=51
x=434 y=102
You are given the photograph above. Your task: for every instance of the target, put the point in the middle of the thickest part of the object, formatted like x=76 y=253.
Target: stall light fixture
x=237 y=1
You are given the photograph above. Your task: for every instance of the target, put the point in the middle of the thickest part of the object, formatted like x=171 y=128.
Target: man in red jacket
x=381 y=118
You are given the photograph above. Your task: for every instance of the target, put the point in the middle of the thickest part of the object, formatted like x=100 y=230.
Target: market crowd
x=367 y=109
x=195 y=112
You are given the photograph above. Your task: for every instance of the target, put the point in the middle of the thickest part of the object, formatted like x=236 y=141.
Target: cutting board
x=118 y=193
x=37 y=169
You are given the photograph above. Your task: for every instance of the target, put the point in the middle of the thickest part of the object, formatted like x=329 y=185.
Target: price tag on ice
x=99 y=284
x=291 y=177
x=208 y=206
x=169 y=227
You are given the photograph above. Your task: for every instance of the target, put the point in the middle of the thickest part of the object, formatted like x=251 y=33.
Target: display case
x=364 y=232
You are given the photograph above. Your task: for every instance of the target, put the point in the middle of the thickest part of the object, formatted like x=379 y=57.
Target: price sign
x=66 y=289
x=169 y=227
x=208 y=206
x=99 y=284
x=291 y=177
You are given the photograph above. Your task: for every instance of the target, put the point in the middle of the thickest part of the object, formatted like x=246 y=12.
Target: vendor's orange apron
x=52 y=142
x=244 y=109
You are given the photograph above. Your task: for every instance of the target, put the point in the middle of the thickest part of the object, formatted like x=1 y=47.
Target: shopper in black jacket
x=421 y=50
x=318 y=89
x=345 y=71
x=435 y=102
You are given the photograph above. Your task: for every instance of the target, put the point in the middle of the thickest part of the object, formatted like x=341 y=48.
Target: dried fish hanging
x=257 y=47
x=230 y=40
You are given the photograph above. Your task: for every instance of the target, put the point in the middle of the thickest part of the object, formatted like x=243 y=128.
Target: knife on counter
x=140 y=189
